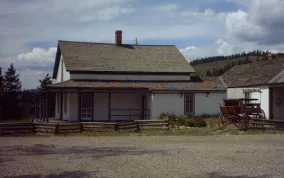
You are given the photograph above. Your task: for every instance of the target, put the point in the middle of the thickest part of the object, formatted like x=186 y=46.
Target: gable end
x=57 y=61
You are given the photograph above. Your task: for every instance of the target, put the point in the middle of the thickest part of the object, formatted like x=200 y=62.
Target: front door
x=87 y=106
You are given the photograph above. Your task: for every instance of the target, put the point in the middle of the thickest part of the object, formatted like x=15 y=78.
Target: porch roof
x=206 y=85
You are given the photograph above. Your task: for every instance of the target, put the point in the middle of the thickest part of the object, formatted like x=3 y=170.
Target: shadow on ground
x=76 y=174
x=96 y=152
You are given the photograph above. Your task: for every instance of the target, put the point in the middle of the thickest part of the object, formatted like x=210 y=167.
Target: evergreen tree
x=12 y=87
x=46 y=81
x=11 y=80
x=1 y=83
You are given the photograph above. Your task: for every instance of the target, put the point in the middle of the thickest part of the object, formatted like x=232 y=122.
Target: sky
x=30 y=29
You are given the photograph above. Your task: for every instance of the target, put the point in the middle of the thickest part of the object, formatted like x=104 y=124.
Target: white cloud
x=224 y=48
x=262 y=23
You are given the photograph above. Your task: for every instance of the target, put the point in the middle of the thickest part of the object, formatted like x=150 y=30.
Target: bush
x=181 y=120
x=196 y=122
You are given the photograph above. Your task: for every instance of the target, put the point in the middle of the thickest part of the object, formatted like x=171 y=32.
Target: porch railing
x=131 y=114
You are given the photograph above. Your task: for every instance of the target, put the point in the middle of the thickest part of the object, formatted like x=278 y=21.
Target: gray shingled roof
x=85 y=56
x=209 y=85
x=258 y=73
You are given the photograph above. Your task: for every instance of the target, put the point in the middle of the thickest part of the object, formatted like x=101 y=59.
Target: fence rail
x=58 y=128
x=17 y=128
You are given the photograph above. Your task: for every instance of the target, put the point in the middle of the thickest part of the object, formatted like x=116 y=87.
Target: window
x=65 y=103
x=247 y=96
x=189 y=104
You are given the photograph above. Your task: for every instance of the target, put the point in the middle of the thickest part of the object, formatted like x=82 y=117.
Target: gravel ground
x=158 y=156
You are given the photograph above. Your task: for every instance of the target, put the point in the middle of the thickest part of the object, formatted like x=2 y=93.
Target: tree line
x=228 y=57
x=220 y=71
x=11 y=93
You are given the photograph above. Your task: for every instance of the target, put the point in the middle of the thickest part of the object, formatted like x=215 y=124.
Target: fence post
x=137 y=127
x=56 y=129
x=116 y=126
x=168 y=124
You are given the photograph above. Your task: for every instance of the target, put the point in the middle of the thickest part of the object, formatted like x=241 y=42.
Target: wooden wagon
x=239 y=112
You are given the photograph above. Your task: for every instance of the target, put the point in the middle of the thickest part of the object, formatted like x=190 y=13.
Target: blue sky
x=30 y=29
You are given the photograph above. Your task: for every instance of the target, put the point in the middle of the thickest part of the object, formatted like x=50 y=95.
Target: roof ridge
x=88 y=42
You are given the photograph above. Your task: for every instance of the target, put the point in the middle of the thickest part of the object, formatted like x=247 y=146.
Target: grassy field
x=202 y=68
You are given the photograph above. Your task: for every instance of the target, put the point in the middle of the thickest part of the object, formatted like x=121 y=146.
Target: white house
x=116 y=81
x=262 y=80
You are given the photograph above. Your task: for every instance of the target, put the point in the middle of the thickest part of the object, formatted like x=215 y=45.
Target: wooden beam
x=46 y=107
x=143 y=107
x=79 y=106
x=61 y=105
x=35 y=107
x=271 y=93
x=92 y=106
x=109 y=106
x=41 y=108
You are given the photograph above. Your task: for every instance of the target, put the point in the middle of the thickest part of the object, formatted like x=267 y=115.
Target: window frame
x=191 y=109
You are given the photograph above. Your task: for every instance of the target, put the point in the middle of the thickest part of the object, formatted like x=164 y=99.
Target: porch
x=94 y=105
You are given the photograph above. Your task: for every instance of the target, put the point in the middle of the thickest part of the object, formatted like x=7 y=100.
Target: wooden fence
x=41 y=128
x=266 y=124
x=17 y=128
x=152 y=125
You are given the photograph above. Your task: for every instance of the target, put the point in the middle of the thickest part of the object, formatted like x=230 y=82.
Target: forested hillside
x=218 y=65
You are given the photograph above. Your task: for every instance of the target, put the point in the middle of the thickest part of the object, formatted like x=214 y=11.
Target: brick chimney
x=118 y=37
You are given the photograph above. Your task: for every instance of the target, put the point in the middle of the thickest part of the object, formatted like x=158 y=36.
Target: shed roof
x=252 y=74
x=212 y=85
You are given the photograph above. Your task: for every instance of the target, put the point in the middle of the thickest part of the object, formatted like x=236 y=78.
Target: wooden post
x=35 y=108
x=46 y=107
x=61 y=105
x=79 y=106
x=41 y=108
x=143 y=107
x=270 y=103
x=92 y=106
x=109 y=106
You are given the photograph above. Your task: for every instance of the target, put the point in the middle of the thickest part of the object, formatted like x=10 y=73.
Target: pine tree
x=11 y=80
x=1 y=94
x=1 y=83
x=46 y=81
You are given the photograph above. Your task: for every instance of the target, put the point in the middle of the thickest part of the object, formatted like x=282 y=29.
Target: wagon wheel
x=261 y=115
x=238 y=122
x=223 y=120
x=242 y=123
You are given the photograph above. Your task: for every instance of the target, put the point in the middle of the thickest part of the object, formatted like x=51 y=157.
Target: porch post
x=144 y=107
x=79 y=106
x=270 y=104
x=35 y=108
x=41 y=108
x=151 y=106
x=46 y=107
x=61 y=105
x=44 y=110
x=109 y=106
x=93 y=106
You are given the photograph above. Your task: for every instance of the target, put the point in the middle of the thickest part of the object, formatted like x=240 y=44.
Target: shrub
x=181 y=120
x=196 y=122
